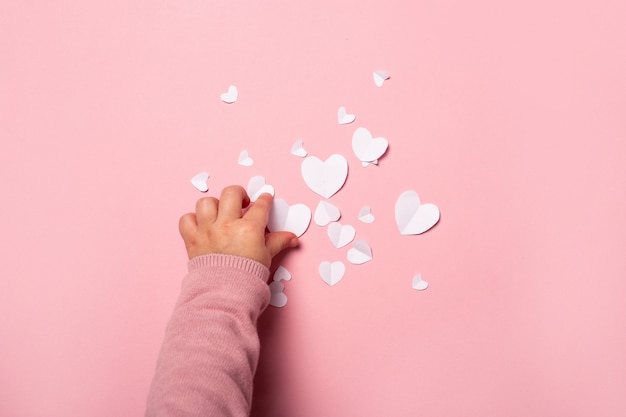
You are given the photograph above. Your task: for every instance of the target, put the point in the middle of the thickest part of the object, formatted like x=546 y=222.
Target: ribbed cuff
x=229 y=261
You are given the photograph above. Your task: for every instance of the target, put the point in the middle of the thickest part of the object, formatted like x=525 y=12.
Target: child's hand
x=218 y=226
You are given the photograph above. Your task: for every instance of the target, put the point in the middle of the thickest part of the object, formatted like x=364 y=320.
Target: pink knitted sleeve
x=211 y=346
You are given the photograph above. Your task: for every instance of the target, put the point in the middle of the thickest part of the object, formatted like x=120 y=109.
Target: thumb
x=278 y=241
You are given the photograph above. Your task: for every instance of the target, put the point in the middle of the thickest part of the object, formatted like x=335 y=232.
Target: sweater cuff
x=230 y=261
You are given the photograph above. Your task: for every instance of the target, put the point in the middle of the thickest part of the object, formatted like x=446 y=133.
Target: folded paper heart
x=244 y=159
x=199 y=181
x=282 y=274
x=360 y=252
x=283 y=217
x=365 y=215
x=412 y=217
x=298 y=149
x=277 y=296
x=418 y=283
x=367 y=148
x=326 y=213
x=325 y=177
x=231 y=95
x=380 y=77
x=257 y=186
x=364 y=163
x=332 y=273
x=340 y=235
x=343 y=117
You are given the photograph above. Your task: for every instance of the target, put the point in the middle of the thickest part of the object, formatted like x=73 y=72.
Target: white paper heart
x=412 y=217
x=340 y=235
x=282 y=274
x=418 y=283
x=325 y=177
x=364 y=163
x=231 y=95
x=257 y=186
x=326 y=213
x=380 y=77
x=278 y=297
x=367 y=148
x=343 y=117
x=332 y=273
x=360 y=252
x=298 y=149
x=244 y=159
x=365 y=215
x=199 y=181
x=283 y=217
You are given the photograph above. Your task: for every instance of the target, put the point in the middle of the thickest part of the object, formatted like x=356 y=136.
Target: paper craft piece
x=199 y=181
x=360 y=252
x=325 y=177
x=257 y=186
x=380 y=77
x=278 y=297
x=343 y=117
x=412 y=217
x=326 y=213
x=332 y=273
x=418 y=283
x=244 y=159
x=365 y=215
x=231 y=95
x=298 y=149
x=283 y=217
x=340 y=235
x=367 y=148
x=282 y=274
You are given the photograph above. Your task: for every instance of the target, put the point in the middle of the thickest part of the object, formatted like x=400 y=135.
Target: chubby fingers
x=232 y=200
x=259 y=211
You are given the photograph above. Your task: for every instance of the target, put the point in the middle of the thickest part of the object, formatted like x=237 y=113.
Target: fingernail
x=294 y=242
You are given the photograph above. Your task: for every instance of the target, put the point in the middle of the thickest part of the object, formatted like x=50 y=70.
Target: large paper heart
x=412 y=217
x=333 y=272
x=340 y=235
x=325 y=177
x=367 y=148
x=283 y=217
x=257 y=186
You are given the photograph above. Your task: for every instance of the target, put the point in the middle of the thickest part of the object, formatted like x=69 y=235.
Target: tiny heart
x=360 y=252
x=199 y=181
x=332 y=273
x=231 y=95
x=283 y=217
x=365 y=215
x=418 y=283
x=325 y=177
x=343 y=117
x=367 y=148
x=298 y=149
x=282 y=274
x=244 y=159
x=278 y=297
x=326 y=213
x=380 y=77
x=412 y=217
x=257 y=186
x=340 y=235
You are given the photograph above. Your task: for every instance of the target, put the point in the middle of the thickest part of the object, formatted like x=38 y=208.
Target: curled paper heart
x=380 y=77
x=298 y=149
x=199 y=181
x=278 y=297
x=332 y=273
x=325 y=177
x=231 y=95
x=257 y=186
x=367 y=148
x=340 y=235
x=326 y=213
x=412 y=217
x=360 y=252
x=244 y=159
x=283 y=217
x=343 y=117
x=282 y=274
x=418 y=283
x=365 y=215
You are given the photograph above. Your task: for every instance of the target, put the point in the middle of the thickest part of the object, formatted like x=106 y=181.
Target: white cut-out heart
x=231 y=95
x=367 y=148
x=326 y=213
x=364 y=164
x=283 y=217
x=298 y=149
x=365 y=215
x=282 y=274
x=325 y=177
x=380 y=77
x=257 y=186
x=412 y=217
x=244 y=159
x=199 y=181
x=332 y=273
x=343 y=117
x=278 y=297
x=360 y=252
x=340 y=235
x=418 y=283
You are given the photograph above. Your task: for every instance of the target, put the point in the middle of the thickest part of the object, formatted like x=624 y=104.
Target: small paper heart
x=244 y=159
x=365 y=215
x=332 y=273
x=343 y=117
x=360 y=252
x=380 y=77
x=199 y=181
x=278 y=297
x=418 y=283
x=412 y=217
x=298 y=149
x=340 y=235
x=257 y=186
x=367 y=148
x=326 y=213
x=282 y=274
x=231 y=95
x=283 y=217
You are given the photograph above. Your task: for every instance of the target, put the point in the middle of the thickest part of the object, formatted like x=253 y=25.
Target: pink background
x=510 y=116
